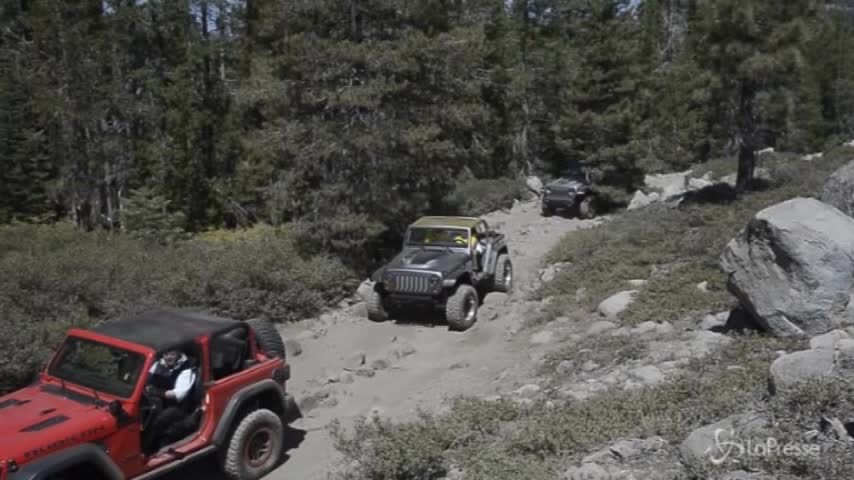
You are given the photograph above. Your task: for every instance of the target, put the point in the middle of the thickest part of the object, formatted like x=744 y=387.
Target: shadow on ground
x=208 y=467
x=418 y=317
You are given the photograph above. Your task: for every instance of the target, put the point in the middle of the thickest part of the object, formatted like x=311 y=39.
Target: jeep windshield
x=97 y=366
x=437 y=237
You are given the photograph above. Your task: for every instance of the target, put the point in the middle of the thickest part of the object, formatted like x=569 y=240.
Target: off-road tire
x=587 y=208
x=376 y=309
x=503 y=274
x=268 y=338
x=461 y=308
x=547 y=211
x=261 y=424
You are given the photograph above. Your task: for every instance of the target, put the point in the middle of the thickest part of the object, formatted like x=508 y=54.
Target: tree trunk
x=354 y=26
x=108 y=193
x=745 y=138
x=746 y=166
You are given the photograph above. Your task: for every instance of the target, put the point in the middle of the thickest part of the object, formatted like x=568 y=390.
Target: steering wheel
x=151 y=400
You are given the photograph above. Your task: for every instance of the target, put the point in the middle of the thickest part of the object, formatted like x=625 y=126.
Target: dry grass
x=502 y=440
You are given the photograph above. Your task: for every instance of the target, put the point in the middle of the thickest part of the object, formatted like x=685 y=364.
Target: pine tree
x=148 y=215
x=753 y=49
x=602 y=76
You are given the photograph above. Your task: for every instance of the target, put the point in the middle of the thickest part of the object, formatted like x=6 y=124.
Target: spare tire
x=268 y=337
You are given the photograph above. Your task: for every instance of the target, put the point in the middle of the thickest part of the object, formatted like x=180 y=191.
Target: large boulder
x=669 y=185
x=791 y=267
x=838 y=190
x=535 y=185
x=641 y=200
x=616 y=304
x=794 y=368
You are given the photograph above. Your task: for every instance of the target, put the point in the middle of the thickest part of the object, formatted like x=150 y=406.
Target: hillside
x=598 y=391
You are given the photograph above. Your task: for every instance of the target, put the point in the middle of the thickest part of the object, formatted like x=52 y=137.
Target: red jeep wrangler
x=87 y=414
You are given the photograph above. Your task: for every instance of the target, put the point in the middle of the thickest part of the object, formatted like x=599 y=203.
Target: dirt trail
x=412 y=365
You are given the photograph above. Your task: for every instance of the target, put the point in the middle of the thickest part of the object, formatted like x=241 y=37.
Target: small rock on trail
x=293 y=347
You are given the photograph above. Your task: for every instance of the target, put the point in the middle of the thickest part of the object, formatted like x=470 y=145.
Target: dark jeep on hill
x=447 y=264
x=88 y=414
x=573 y=193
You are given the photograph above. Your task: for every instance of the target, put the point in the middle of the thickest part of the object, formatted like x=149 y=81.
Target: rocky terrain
x=791 y=275
x=790 y=270
x=348 y=366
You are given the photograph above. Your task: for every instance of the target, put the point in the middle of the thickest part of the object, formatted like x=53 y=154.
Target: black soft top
x=161 y=329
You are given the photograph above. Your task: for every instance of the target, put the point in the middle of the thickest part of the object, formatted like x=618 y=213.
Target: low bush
x=599 y=349
x=801 y=444
x=504 y=440
x=475 y=197
x=54 y=275
x=351 y=238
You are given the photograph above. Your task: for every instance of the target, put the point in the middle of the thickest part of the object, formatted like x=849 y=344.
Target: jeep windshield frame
x=98 y=366
x=437 y=236
x=578 y=175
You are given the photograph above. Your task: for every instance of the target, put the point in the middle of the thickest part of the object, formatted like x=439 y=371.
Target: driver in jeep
x=475 y=244
x=169 y=383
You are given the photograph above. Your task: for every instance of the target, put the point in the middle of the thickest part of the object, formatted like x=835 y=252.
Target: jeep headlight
x=548 y=191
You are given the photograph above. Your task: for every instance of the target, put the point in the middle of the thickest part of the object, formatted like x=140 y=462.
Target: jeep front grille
x=412 y=282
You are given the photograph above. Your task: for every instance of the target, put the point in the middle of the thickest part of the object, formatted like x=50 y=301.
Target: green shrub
x=475 y=196
x=26 y=342
x=350 y=238
x=676 y=295
x=51 y=275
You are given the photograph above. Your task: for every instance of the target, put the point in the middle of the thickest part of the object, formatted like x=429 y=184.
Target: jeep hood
x=430 y=259
x=35 y=422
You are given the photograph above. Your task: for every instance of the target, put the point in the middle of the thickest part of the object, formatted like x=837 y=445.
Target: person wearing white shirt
x=169 y=366
x=169 y=383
